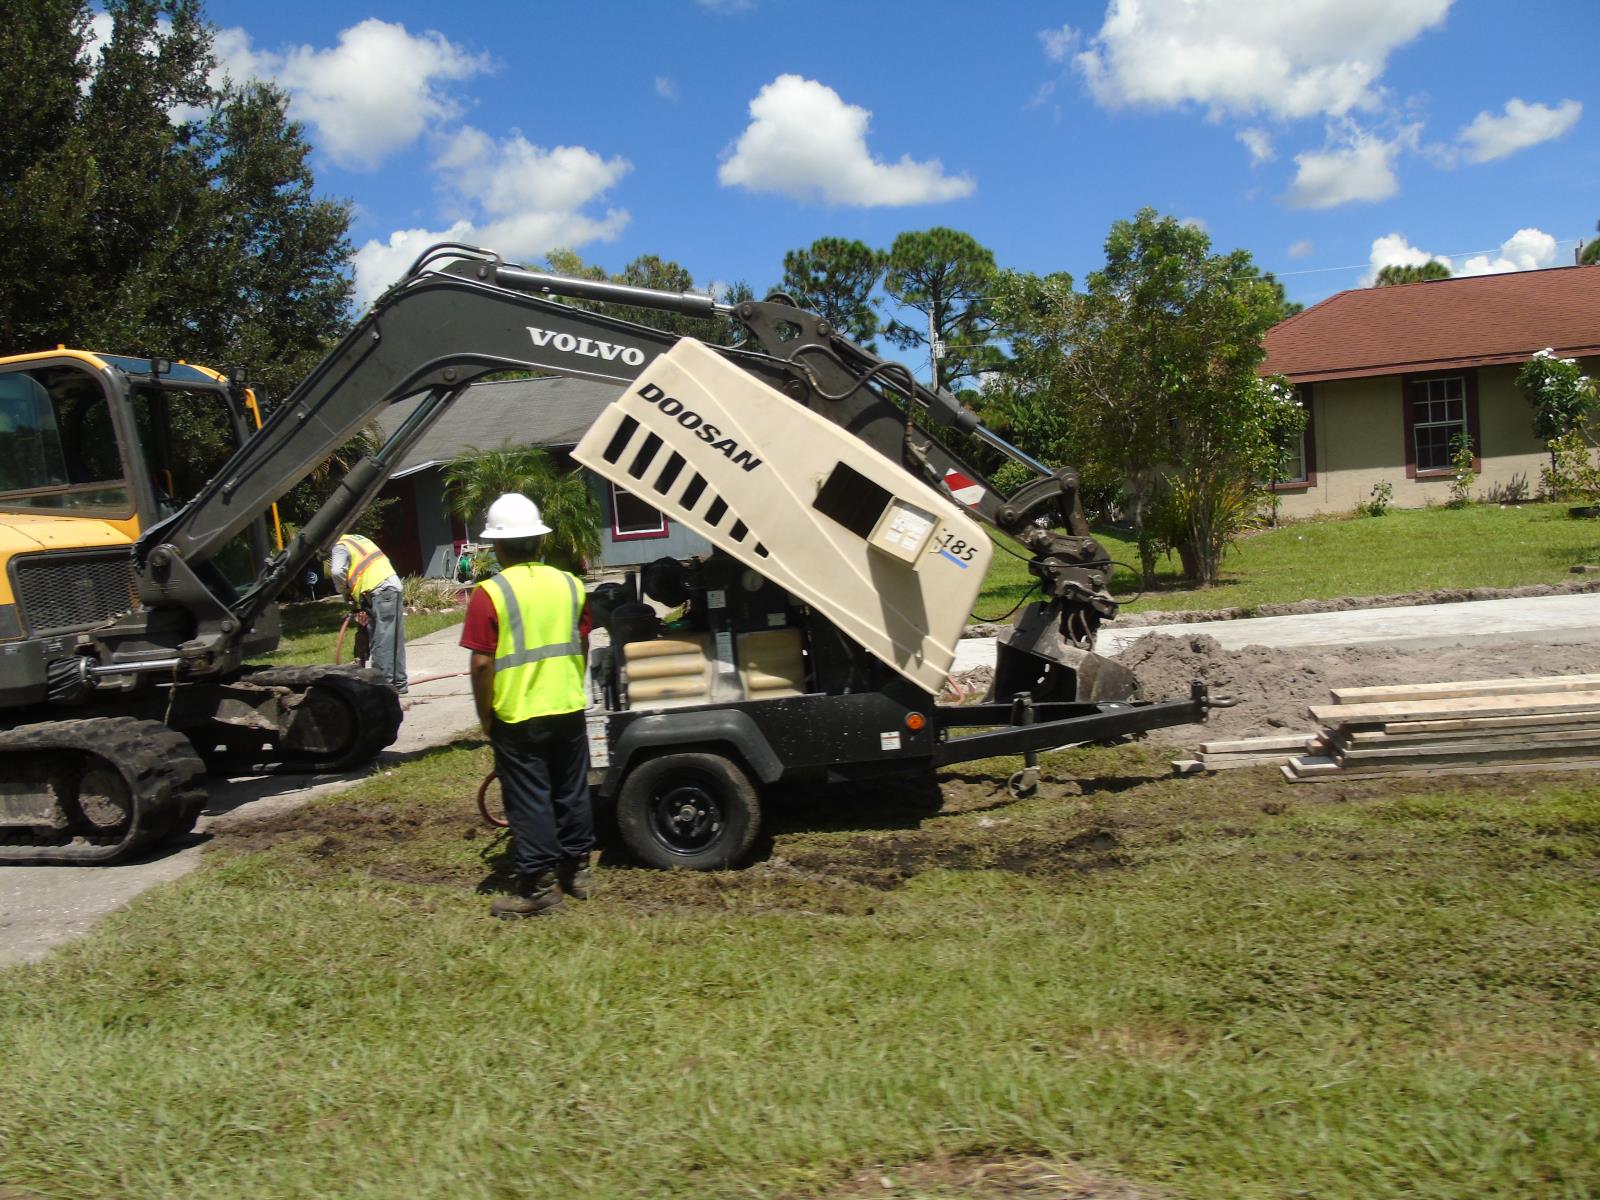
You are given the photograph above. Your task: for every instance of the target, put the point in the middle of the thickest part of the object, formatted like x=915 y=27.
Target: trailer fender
x=731 y=729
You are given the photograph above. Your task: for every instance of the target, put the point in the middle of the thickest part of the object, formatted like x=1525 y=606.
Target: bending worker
x=365 y=578
x=527 y=628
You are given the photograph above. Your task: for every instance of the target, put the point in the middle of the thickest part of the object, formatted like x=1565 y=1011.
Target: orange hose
x=483 y=803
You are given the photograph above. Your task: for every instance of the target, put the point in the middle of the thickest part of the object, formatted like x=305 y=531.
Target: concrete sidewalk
x=1551 y=619
x=41 y=907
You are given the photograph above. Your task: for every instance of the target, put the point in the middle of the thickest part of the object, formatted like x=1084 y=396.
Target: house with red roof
x=1391 y=374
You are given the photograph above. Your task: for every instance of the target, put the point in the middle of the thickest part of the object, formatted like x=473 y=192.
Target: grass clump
x=311 y=632
x=1213 y=987
x=1410 y=550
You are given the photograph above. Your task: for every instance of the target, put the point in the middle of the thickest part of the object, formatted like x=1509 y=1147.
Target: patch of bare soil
x=1275 y=687
x=979 y=1177
x=1348 y=603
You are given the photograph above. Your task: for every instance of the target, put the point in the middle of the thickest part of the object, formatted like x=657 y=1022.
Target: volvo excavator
x=849 y=543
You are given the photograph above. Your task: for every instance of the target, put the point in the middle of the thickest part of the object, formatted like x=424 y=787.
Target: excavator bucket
x=1036 y=657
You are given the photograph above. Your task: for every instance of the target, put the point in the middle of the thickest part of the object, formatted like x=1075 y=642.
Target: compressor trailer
x=684 y=787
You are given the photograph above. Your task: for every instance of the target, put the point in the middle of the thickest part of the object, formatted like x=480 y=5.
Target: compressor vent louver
x=646 y=451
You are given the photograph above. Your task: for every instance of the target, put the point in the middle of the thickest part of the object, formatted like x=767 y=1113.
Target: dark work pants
x=543 y=764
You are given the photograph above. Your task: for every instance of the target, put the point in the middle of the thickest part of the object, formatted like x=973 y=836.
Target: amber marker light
x=915 y=721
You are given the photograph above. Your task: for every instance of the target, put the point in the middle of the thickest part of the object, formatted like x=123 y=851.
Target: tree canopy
x=1147 y=380
x=834 y=278
x=144 y=211
x=1394 y=273
x=946 y=275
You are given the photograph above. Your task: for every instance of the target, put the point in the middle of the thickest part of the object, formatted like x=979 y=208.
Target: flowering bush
x=1562 y=396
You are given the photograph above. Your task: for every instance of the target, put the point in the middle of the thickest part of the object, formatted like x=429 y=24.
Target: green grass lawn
x=311 y=632
x=1221 y=987
x=1406 y=550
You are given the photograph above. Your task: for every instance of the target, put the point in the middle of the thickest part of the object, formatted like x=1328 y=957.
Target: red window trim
x=1310 y=480
x=1469 y=389
x=616 y=532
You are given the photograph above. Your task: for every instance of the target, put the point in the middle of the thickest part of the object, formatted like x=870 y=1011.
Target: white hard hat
x=511 y=517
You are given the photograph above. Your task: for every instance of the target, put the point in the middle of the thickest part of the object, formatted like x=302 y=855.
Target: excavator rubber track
x=347 y=716
x=95 y=791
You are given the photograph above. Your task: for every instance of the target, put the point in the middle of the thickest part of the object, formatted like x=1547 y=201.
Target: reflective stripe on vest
x=364 y=557
x=538 y=662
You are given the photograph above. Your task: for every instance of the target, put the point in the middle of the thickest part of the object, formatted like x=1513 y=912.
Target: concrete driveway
x=41 y=907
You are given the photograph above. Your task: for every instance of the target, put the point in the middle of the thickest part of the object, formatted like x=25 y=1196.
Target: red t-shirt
x=482 y=630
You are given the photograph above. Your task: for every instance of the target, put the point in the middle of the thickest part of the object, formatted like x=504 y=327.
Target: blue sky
x=1324 y=136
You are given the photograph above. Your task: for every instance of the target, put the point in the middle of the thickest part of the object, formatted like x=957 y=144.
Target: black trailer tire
x=692 y=811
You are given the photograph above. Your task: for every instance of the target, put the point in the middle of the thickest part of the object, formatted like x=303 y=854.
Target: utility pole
x=935 y=349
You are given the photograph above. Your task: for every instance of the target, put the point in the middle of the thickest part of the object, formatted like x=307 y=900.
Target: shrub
x=1378 y=500
x=1561 y=396
x=429 y=595
x=1462 y=475
x=1572 y=473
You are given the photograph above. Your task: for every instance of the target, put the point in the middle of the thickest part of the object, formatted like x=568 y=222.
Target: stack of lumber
x=1477 y=726
x=1249 y=752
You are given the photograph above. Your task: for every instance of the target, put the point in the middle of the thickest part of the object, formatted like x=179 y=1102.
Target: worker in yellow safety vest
x=365 y=578
x=527 y=628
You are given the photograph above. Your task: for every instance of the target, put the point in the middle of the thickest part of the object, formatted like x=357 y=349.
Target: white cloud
x=1356 y=167
x=374 y=93
x=1393 y=250
x=806 y=143
x=1302 y=249
x=1249 y=56
x=516 y=198
x=1523 y=125
x=1195 y=223
x=665 y=88
x=1259 y=143
x=1059 y=43
x=1524 y=250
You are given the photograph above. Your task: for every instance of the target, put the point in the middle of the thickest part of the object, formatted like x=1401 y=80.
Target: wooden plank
x=1362 y=738
x=1584 y=764
x=1311 y=764
x=1234 y=762
x=1470 y=706
x=1287 y=741
x=1309 y=745
x=1464 y=752
x=1468 y=687
x=1451 y=725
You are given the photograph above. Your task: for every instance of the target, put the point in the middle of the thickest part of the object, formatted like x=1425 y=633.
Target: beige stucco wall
x=1360 y=441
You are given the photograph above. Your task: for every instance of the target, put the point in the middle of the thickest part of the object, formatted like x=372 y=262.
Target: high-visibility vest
x=369 y=566
x=538 y=661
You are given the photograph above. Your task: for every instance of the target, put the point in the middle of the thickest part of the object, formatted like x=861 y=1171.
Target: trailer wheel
x=694 y=811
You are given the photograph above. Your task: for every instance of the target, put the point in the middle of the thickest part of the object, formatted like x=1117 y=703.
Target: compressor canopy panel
x=885 y=557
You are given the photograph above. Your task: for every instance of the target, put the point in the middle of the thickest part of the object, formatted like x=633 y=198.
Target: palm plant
x=478 y=478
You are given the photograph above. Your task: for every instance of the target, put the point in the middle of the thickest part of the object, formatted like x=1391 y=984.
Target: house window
x=631 y=517
x=1438 y=415
x=1298 y=468
x=1437 y=408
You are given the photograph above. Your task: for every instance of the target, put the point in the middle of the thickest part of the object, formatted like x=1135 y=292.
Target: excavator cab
x=94 y=448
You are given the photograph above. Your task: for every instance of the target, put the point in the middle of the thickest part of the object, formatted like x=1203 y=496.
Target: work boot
x=576 y=881
x=537 y=895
